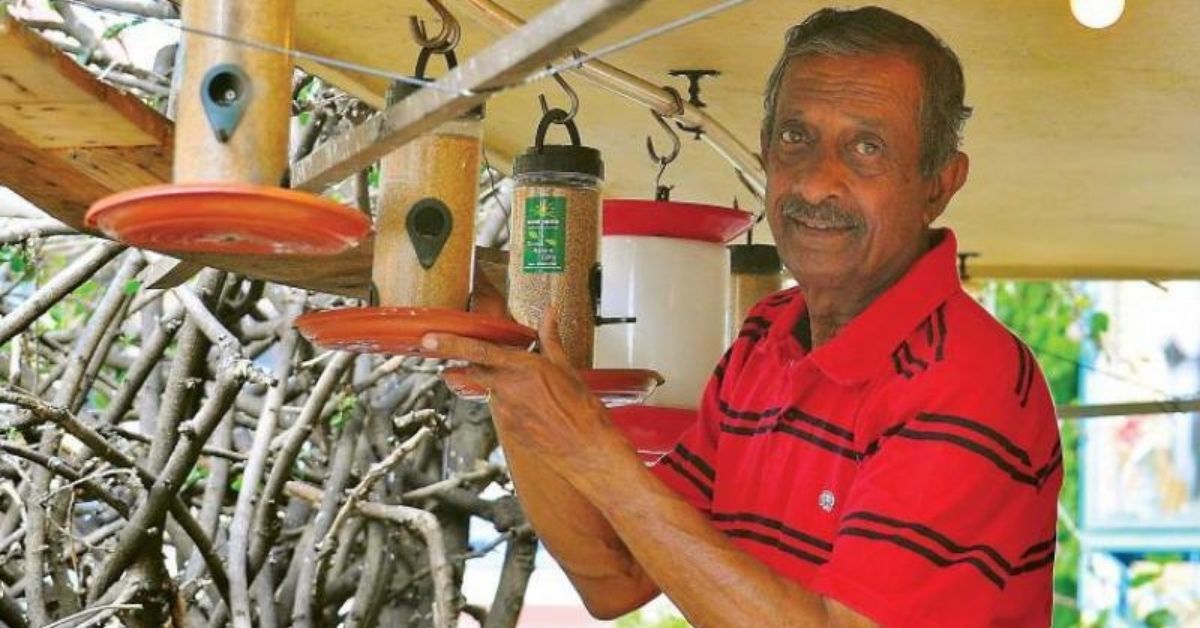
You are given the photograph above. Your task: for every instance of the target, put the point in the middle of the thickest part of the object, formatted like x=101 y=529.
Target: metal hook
x=446 y=39
x=562 y=82
x=662 y=192
x=670 y=157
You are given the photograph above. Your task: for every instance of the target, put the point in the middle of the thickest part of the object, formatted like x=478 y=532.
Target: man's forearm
x=578 y=536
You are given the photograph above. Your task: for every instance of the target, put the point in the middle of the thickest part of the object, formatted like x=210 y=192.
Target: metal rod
x=638 y=89
x=1177 y=406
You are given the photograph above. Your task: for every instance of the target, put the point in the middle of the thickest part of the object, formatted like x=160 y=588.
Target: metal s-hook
x=566 y=87
x=662 y=192
x=446 y=39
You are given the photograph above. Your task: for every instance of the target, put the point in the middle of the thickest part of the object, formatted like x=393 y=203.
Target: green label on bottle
x=545 y=234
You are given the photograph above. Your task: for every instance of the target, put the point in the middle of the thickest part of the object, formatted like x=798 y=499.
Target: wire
x=578 y=60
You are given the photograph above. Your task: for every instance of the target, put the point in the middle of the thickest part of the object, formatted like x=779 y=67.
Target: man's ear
x=945 y=183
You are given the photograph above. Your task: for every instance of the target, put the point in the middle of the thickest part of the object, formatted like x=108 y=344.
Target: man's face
x=845 y=197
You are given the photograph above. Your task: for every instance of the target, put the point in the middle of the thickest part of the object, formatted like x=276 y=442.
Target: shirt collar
x=867 y=341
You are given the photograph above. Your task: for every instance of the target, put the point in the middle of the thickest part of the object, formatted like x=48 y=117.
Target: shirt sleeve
x=951 y=520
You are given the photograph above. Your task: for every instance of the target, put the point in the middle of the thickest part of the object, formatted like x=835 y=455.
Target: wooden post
x=256 y=151
x=438 y=168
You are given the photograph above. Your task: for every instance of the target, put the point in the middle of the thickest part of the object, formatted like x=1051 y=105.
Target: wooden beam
x=548 y=36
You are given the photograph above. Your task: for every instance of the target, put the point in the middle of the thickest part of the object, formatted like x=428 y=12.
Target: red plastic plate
x=669 y=219
x=652 y=430
x=398 y=330
x=237 y=219
x=615 y=387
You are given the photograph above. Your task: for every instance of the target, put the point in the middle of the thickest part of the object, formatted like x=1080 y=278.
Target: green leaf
x=194 y=477
x=305 y=117
x=1144 y=578
x=132 y=286
x=1159 y=619
x=115 y=29
x=236 y=484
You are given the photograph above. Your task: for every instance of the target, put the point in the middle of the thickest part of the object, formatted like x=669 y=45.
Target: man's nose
x=821 y=178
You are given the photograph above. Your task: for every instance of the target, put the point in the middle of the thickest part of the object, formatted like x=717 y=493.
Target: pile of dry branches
x=154 y=471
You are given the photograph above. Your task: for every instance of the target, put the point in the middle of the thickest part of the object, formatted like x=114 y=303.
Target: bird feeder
x=424 y=247
x=756 y=272
x=665 y=269
x=554 y=254
x=231 y=141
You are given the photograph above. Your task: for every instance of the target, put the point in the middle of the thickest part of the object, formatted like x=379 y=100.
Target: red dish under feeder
x=398 y=330
x=239 y=219
x=652 y=430
x=670 y=219
x=615 y=387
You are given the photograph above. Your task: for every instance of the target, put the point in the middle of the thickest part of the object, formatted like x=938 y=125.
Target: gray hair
x=873 y=30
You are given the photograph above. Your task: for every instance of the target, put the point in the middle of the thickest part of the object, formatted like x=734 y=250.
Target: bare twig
x=425 y=524
x=239 y=529
x=62 y=284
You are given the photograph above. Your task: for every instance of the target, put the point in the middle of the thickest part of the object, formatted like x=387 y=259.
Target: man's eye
x=868 y=148
x=791 y=136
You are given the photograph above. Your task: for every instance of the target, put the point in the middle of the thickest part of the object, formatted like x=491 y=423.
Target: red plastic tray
x=398 y=330
x=615 y=387
x=237 y=219
x=669 y=219
x=652 y=430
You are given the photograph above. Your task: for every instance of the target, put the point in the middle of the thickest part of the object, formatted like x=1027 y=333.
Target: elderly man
x=874 y=448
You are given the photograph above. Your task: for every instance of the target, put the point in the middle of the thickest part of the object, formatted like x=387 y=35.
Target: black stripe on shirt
x=926 y=553
x=975 y=426
x=746 y=415
x=687 y=474
x=939 y=352
x=789 y=414
x=1041 y=546
x=775 y=543
x=774 y=524
x=696 y=461
x=933 y=535
x=784 y=428
x=976 y=448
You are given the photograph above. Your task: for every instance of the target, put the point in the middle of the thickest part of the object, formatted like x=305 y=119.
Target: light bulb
x=1097 y=13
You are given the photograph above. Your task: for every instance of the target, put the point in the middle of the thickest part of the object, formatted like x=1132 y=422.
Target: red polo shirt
x=908 y=468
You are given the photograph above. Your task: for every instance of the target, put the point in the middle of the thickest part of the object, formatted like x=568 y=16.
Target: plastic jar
x=555 y=240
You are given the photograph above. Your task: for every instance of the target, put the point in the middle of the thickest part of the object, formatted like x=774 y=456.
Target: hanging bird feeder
x=554 y=254
x=666 y=270
x=231 y=140
x=424 y=245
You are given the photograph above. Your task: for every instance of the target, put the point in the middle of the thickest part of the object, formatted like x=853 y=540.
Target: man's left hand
x=536 y=399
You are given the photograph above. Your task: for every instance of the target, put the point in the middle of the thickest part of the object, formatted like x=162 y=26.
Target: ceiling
x=1085 y=145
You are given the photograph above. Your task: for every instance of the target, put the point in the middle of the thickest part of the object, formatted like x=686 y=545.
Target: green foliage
x=344 y=405
x=17 y=259
x=112 y=31
x=132 y=286
x=196 y=475
x=637 y=620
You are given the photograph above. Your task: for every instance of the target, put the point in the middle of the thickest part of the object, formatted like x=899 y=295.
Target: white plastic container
x=665 y=264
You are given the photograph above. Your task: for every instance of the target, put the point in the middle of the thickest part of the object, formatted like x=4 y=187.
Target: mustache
x=825 y=212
